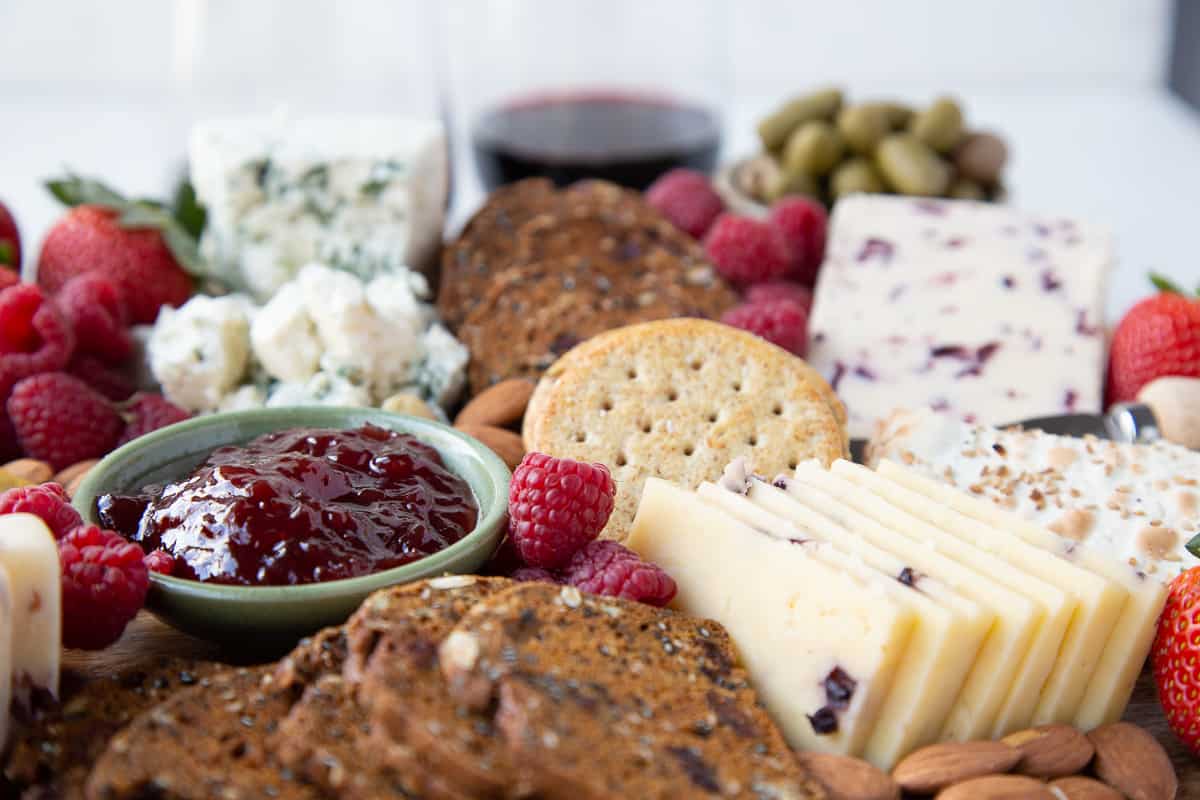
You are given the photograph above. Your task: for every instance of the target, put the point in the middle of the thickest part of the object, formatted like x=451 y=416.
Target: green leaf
x=1164 y=284
x=76 y=191
x=1193 y=546
x=7 y=254
x=190 y=214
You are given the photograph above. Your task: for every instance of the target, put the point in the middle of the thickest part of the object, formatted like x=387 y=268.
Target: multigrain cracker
x=680 y=399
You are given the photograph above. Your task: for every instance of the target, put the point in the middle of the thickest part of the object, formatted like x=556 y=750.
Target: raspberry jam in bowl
x=281 y=521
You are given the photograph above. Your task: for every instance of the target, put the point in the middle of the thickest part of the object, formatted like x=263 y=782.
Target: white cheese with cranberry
x=976 y=310
x=29 y=570
x=360 y=194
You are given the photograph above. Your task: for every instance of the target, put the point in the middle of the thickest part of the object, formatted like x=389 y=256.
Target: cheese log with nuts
x=821 y=645
x=29 y=561
x=978 y=310
x=1121 y=659
x=946 y=637
x=1099 y=600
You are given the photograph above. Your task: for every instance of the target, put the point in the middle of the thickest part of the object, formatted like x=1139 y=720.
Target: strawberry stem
x=1164 y=284
x=1193 y=545
x=7 y=254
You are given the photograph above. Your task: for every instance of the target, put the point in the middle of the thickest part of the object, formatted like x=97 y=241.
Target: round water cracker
x=680 y=399
x=579 y=354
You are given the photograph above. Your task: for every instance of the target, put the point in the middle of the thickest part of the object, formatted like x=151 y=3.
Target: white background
x=1077 y=86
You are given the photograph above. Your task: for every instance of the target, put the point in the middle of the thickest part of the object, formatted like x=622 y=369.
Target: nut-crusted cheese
x=29 y=569
x=1132 y=503
x=821 y=645
x=363 y=194
x=947 y=633
x=971 y=308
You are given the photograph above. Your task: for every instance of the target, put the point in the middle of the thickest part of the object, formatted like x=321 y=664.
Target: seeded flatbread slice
x=602 y=697
x=680 y=399
x=487 y=244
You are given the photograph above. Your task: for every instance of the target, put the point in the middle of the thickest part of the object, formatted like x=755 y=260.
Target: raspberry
x=92 y=305
x=148 y=412
x=48 y=501
x=802 y=223
x=33 y=336
x=535 y=574
x=779 y=290
x=781 y=322
x=687 y=199
x=745 y=250
x=107 y=380
x=104 y=582
x=555 y=506
x=614 y=570
x=61 y=420
x=160 y=561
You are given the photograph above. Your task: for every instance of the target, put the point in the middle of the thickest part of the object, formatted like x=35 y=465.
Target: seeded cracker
x=680 y=399
x=558 y=663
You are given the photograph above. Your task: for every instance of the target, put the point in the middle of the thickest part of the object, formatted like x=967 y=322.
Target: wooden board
x=148 y=638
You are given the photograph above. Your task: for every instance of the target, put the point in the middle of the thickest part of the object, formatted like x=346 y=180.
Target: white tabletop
x=1127 y=159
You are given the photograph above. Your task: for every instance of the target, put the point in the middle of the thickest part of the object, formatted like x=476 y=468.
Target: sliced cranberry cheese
x=974 y=309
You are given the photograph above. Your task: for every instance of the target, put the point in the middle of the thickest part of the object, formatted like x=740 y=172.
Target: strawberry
x=1176 y=657
x=1159 y=336
x=10 y=240
x=140 y=246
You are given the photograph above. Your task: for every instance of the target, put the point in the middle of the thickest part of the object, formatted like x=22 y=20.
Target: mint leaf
x=76 y=191
x=7 y=254
x=1193 y=545
x=1164 y=284
x=188 y=212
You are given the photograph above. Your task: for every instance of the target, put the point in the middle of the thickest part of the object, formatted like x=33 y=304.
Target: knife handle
x=1133 y=423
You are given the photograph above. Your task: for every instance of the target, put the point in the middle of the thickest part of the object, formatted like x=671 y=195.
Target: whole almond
x=30 y=470
x=72 y=476
x=1079 y=787
x=504 y=443
x=1051 y=751
x=847 y=778
x=500 y=405
x=998 y=787
x=937 y=766
x=1131 y=761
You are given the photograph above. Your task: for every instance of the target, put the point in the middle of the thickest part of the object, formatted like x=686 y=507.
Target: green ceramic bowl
x=273 y=614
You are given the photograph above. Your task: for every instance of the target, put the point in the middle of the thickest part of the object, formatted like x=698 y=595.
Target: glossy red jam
x=301 y=506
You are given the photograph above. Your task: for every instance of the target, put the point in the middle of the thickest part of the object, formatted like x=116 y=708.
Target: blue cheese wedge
x=947 y=634
x=821 y=644
x=361 y=194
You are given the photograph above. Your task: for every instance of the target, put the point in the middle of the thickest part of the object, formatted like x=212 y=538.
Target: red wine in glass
x=622 y=137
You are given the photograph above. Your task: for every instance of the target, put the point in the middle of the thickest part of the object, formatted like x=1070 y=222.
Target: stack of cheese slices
x=30 y=613
x=880 y=611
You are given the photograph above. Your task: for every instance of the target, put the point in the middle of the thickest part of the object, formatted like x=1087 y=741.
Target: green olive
x=855 y=176
x=909 y=166
x=815 y=148
x=792 y=181
x=863 y=126
x=966 y=189
x=775 y=129
x=898 y=115
x=940 y=126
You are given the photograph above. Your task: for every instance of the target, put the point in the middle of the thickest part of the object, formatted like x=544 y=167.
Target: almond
x=29 y=470
x=500 y=405
x=1079 y=787
x=504 y=443
x=1051 y=751
x=847 y=778
x=1131 y=761
x=937 y=766
x=998 y=787
x=72 y=476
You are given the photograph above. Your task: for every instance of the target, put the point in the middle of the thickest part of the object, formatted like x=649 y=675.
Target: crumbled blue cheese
x=322 y=389
x=200 y=351
x=440 y=376
x=363 y=195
